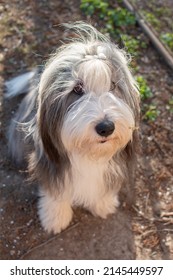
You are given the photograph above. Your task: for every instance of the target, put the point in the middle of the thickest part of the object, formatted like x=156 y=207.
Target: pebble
x=150 y=138
x=29 y=223
x=12 y=252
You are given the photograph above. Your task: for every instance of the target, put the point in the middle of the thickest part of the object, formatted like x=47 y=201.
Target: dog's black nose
x=105 y=128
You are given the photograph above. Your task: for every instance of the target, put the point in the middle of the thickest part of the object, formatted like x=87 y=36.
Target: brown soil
x=141 y=230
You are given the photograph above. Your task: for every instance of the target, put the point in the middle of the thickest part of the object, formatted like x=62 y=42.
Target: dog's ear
x=51 y=115
x=50 y=123
x=44 y=130
x=49 y=162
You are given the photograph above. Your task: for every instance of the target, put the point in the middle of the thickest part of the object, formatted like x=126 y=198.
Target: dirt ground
x=141 y=230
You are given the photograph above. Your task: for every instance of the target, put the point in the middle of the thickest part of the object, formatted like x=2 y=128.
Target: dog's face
x=88 y=102
x=98 y=123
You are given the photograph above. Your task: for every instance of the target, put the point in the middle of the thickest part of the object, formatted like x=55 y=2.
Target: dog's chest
x=87 y=183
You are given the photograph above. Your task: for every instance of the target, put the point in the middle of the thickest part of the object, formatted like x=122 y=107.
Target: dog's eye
x=112 y=86
x=79 y=89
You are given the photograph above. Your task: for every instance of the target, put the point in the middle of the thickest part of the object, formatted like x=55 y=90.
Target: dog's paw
x=54 y=215
x=106 y=206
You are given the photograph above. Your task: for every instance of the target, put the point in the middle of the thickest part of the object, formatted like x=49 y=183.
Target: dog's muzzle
x=105 y=128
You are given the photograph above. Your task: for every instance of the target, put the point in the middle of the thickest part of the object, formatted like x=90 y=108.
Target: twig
x=166 y=214
x=46 y=242
x=141 y=214
x=155 y=231
x=162 y=219
x=20 y=36
x=147 y=198
x=159 y=147
x=165 y=127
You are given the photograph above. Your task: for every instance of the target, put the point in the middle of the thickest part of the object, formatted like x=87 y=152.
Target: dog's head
x=88 y=100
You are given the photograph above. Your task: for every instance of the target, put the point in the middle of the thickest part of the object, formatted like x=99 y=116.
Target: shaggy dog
x=77 y=127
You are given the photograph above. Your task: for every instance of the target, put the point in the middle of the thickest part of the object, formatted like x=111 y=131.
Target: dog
x=77 y=127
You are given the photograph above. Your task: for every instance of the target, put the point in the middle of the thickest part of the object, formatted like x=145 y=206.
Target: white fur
x=78 y=131
x=55 y=213
x=86 y=188
x=18 y=85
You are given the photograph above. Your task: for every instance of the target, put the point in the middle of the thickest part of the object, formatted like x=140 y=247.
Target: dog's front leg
x=105 y=205
x=55 y=212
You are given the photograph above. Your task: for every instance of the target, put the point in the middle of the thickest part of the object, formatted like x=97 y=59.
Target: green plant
x=167 y=38
x=131 y=44
x=144 y=89
x=90 y=6
x=152 y=113
x=115 y=18
x=120 y=17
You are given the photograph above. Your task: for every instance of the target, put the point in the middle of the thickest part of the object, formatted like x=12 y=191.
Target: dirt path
x=141 y=230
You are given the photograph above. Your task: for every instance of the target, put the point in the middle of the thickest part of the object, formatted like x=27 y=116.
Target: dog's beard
x=78 y=131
